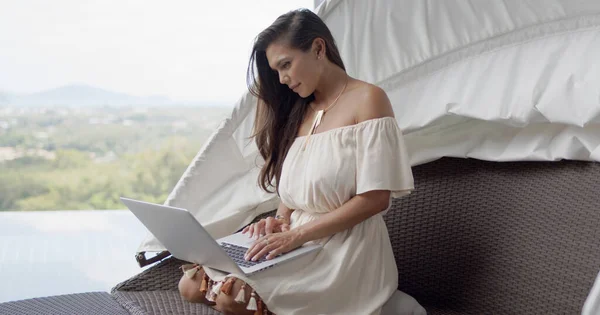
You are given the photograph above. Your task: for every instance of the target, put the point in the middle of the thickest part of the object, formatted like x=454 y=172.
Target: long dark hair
x=280 y=111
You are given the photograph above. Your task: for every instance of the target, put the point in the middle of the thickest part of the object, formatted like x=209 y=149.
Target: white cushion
x=401 y=303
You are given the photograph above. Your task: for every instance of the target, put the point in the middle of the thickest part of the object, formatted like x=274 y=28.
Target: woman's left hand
x=274 y=245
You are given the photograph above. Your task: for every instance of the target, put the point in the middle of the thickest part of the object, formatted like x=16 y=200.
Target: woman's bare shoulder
x=370 y=101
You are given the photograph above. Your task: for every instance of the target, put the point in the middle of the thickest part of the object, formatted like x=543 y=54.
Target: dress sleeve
x=381 y=158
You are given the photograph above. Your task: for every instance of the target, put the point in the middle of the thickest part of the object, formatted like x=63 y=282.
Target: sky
x=188 y=50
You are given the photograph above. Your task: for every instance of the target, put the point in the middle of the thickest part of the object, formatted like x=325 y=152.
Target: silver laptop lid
x=181 y=234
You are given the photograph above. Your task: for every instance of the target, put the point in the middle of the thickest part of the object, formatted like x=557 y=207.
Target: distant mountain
x=81 y=96
x=5 y=97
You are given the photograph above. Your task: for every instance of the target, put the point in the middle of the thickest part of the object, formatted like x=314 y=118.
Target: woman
x=332 y=145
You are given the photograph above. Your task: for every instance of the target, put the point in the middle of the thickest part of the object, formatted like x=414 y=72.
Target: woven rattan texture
x=164 y=275
x=499 y=238
x=481 y=237
x=160 y=303
x=92 y=303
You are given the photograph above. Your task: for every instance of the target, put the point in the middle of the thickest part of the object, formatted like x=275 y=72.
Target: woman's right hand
x=265 y=227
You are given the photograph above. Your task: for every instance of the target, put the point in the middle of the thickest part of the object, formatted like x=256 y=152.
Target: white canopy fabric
x=496 y=80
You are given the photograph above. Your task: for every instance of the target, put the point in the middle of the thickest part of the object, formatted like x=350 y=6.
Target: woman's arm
x=357 y=209
x=354 y=211
x=284 y=212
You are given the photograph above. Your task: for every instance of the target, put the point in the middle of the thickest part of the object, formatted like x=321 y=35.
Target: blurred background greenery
x=86 y=158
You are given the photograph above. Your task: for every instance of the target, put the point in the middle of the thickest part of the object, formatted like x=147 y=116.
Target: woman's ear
x=319 y=48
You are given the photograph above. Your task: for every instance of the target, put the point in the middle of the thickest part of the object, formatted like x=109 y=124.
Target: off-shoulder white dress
x=355 y=271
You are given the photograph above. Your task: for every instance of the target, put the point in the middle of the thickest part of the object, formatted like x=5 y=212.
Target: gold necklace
x=320 y=114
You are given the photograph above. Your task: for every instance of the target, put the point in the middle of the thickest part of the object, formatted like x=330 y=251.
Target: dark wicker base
x=164 y=276
x=160 y=302
x=505 y=238
x=92 y=303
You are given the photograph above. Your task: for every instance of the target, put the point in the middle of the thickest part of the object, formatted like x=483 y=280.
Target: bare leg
x=228 y=305
x=190 y=289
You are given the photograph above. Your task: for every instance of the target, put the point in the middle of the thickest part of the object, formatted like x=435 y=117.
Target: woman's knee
x=189 y=288
x=227 y=303
x=233 y=295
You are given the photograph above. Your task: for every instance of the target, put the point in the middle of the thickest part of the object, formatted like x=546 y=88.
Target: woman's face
x=299 y=70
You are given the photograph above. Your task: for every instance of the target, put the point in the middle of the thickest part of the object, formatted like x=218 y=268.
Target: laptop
x=186 y=239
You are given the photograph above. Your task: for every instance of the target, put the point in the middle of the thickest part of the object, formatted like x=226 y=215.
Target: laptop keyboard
x=237 y=254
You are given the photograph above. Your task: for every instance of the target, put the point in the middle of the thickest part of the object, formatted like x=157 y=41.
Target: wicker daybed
x=475 y=237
